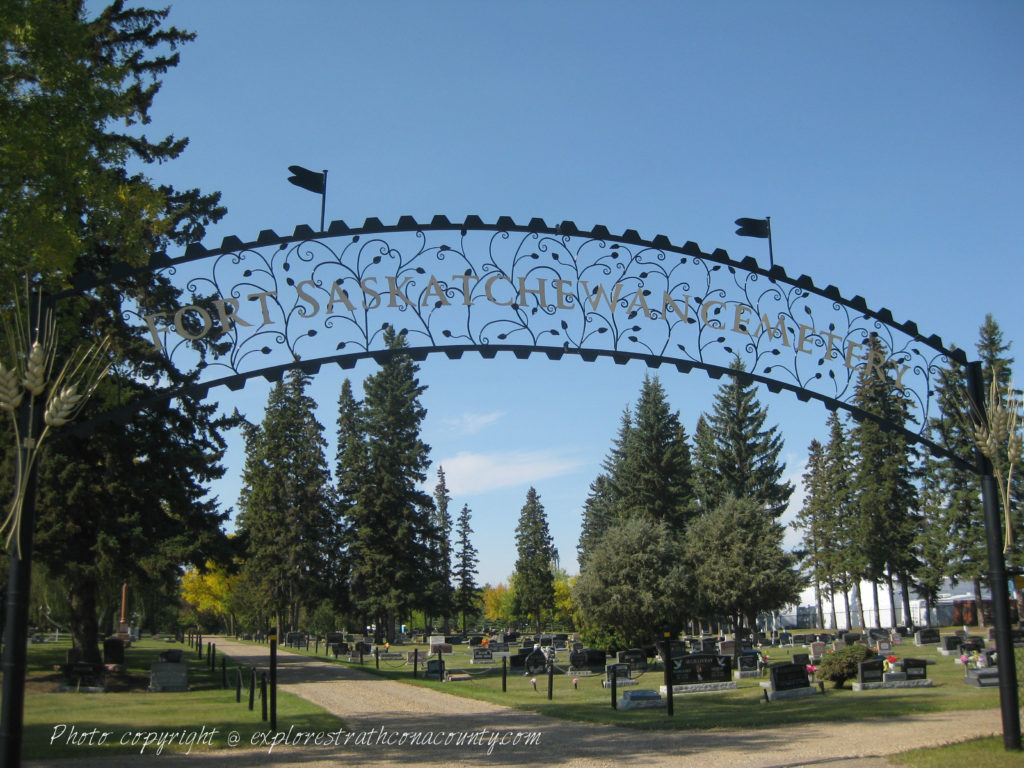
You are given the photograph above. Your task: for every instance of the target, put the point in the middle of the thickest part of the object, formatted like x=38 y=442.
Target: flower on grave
x=964 y=659
x=534 y=681
x=575 y=682
x=811 y=669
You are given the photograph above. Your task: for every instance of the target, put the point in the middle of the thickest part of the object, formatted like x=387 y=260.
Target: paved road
x=387 y=723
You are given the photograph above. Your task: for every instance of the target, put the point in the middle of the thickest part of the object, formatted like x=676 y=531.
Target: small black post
x=273 y=680
x=199 y=644
x=415 y=662
x=252 y=688
x=213 y=656
x=238 y=685
x=376 y=656
x=504 y=674
x=316 y=651
x=551 y=677
x=263 y=694
x=669 y=708
x=615 y=690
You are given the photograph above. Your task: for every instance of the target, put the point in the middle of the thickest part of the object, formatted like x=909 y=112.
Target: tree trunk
x=892 y=599
x=860 y=604
x=846 y=604
x=832 y=605
x=85 y=631
x=820 y=618
x=874 y=597
x=977 y=603
x=905 y=595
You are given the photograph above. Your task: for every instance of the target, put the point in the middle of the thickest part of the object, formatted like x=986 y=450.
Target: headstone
x=362 y=647
x=578 y=646
x=475 y=641
x=693 y=668
x=818 y=650
x=635 y=658
x=926 y=636
x=168 y=676
x=113 y=651
x=870 y=671
x=641 y=698
x=482 y=655
x=748 y=665
x=788 y=677
x=884 y=646
x=536 y=663
x=440 y=648
x=516 y=662
x=802 y=658
x=950 y=643
x=173 y=655
x=434 y=670
x=915 y=669
x=785 y=638
x=620 y=672
x=727 y=648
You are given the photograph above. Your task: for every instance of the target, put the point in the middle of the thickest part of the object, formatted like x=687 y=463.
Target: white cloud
x=470 y=473
x=471 y=423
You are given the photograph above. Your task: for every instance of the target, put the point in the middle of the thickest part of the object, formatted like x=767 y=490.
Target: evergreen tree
x=349 y=465
x=287 y=504
x=740 y=566
x=602 y=507
x=535 y=558
x=616 y=612
x=391 y=529
x=887 y=515
x=842 y=557
x=127 y=503
x=811 y=519
x=444 y=596
x=467 y=593
x=653 y=476
x=737 y=453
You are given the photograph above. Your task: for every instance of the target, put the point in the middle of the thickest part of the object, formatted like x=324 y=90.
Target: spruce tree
x=841 y=554
x=391 y=529
x=887 y=514
x=811 y=520
x=467 y=594
x=603 y=506
x=535 y=557
x=443 y=594
x=288 y=511
x=654 y=474
x=738 y=454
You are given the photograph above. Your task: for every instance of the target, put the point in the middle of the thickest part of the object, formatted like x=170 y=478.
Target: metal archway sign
x=309 y=299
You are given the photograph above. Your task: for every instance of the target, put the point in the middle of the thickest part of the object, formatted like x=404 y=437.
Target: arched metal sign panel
x=313 y=298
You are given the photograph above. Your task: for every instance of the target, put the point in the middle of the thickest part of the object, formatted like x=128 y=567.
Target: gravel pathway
x=392 y=724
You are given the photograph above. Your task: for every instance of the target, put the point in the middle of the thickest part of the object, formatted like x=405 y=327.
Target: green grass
x=977 y=753
x=55 y=721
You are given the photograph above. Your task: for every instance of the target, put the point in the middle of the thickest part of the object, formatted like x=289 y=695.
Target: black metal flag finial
x=758 y=228
x=314 y=182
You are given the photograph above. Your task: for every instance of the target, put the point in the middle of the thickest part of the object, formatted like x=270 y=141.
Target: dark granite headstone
x=950 y=643
x=926 y=636
x=788 y=677
x=619 y=671
x=802 y=658
x=434 y=670
x=692 y=668
x=870 y=671
x=635 y=658
x=915 y=669
x=482 y=654
x=536 y=663
x=498 y=647
x=748 y=662
x=113 y=651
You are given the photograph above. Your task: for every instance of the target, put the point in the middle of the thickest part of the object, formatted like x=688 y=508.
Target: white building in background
x=946 y=612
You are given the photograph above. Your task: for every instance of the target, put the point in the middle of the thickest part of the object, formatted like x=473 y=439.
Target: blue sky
x=883 y=139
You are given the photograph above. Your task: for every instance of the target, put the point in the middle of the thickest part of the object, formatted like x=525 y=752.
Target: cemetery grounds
x=60 y=726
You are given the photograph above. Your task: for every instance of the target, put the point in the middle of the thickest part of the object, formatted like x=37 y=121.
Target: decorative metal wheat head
x=27 y=381
x=998 y=436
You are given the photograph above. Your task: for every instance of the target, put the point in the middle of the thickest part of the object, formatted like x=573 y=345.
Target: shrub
x=842 y=665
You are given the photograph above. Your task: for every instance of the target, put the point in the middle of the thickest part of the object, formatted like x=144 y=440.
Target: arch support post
x=1008 y=696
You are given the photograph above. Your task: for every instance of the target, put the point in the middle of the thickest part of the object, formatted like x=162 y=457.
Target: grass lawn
x=977 y=753
x=54 y=722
